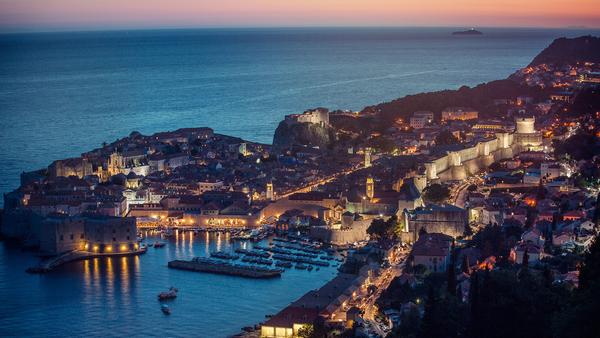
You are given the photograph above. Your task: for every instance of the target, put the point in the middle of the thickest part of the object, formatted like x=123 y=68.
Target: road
x=322 y=181
x=382 y=282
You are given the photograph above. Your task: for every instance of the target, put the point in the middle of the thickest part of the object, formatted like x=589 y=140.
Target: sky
x=49 y=15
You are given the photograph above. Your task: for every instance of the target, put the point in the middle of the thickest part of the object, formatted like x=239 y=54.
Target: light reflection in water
x=207 y=243
x=125 y=280
x=110 y=282
x=96 y=274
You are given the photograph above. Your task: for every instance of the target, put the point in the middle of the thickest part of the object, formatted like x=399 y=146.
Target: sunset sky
x=112 y=14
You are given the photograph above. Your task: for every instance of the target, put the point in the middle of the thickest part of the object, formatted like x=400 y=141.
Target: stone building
x=445 y=219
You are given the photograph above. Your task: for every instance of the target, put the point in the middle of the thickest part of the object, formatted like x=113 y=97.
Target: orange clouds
x=191 y=13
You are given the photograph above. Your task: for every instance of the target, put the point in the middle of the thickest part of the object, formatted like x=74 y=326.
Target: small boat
x=309 y=268
x=168 y=233
x=165 y=309
x=159 y=244
x=300 y=266
x=282 y=264
x=171 y=294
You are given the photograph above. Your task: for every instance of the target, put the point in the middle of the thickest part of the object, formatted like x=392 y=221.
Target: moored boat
x=301 y=266
x=171 y=294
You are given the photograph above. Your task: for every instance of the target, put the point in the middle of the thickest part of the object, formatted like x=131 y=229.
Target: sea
x=65 y=93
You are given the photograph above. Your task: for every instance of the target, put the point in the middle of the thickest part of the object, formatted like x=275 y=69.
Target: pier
x=223 y=268
x=76 y=255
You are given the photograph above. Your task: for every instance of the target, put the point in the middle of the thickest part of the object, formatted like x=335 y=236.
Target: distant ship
x=471 y=31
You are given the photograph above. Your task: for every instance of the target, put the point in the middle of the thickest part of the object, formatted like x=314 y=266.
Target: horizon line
x=274 y=27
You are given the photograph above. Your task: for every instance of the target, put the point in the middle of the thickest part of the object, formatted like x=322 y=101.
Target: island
x=471 y=31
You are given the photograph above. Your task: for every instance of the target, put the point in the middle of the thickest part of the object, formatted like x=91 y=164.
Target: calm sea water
x=64 y=93
x=117 y=296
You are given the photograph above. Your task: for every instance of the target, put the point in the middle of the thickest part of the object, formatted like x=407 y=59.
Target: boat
x=171 y=294
x=158 y=244
x=168 y=233
x=165 y=309
x=301 y=266
x=282 y=264
x=224 y=255
x=309 y=268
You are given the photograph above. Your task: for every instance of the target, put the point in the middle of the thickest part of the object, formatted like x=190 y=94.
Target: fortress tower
x=525 y=125
x=526 y=137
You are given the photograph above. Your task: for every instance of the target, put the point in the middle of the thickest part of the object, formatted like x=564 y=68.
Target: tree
x=381 y=229
x=525 y=261
x=468 y=230
x=464 y=267
x=445 y=137
x=409 y=324
x=306 y=331
x=475 y=324
x=579 y=318
x=541 y=191
x=436 y=193
x=451 y=281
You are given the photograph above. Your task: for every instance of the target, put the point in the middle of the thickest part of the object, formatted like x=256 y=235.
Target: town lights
x=95 y=248
x=123 y=247
x=108 y=248
x=136 y=246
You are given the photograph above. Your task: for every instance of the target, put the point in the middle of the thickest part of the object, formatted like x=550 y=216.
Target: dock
x=224 y=268
x=76 y=255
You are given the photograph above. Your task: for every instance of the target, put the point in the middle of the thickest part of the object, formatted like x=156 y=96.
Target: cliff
x=570 y=51
x=307 y=134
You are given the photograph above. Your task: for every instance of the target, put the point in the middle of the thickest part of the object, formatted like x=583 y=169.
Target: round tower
x=525 y=125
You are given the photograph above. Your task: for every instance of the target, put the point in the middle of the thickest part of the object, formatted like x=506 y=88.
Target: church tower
x=370 y=187
x=367 y=157
x=270 y=193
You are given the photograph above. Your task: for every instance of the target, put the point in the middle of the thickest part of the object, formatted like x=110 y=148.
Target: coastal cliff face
x=307 y=134
x=570 y=51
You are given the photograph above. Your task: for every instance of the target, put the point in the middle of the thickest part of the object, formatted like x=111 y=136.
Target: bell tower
x=370 y=189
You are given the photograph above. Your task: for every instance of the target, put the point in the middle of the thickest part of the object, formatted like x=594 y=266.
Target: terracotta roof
x=292 y=315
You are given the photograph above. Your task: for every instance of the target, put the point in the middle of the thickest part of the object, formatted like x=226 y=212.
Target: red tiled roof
x=292 y=315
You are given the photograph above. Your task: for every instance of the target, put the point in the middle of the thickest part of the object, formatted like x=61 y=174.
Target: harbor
x=121 y=290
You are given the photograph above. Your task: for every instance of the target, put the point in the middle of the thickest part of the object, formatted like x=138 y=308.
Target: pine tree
x=451 y=285
x=474 y=306
x=525 y=261
x=590 y=272
x=541 y=192
x=465 y=265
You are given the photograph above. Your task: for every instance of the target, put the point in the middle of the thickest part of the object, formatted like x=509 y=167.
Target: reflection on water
x=114 y=295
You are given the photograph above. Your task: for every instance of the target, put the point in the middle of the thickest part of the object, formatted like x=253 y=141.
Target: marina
x=123 y=291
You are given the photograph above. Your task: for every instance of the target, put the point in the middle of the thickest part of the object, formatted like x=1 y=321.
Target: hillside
x=570 y=51
x=481 y=97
